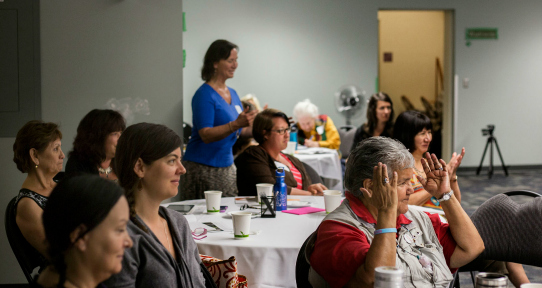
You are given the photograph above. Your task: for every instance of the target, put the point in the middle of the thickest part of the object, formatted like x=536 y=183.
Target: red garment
x=297 y=175
x=340 y=248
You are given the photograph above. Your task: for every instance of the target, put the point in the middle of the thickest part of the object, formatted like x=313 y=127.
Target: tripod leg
x=500 y=156
x=482 y=161
x=490 y=174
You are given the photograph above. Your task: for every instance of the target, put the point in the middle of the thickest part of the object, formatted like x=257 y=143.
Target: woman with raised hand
x=85 y=226
x=218 y=119
x=37 y=152
x=95 y=144
x=164 y=254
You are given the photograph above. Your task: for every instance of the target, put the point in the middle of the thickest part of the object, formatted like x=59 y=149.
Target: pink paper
x=304 y=210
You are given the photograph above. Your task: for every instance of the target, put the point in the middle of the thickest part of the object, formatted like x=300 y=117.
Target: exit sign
x=481 y=33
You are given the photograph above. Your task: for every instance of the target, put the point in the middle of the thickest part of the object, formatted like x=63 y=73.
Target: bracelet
x=385 y=230
x=231 y=129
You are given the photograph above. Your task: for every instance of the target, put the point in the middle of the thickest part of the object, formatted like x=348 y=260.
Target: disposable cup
x=212 y=198
x=241 y=224
x=290 y=149
x=265 y=190
x=531 y=285
x=332 y=199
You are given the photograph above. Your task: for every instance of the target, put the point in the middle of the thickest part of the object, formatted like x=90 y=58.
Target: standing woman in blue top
x=218 y=120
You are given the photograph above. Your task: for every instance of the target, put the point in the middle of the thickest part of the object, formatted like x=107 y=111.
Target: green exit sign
x=481 y=33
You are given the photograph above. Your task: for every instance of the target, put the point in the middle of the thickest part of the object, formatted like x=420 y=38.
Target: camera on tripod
x=488 y=130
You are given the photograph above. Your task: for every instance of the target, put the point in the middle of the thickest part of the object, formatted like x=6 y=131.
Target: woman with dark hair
x=85 y=226
x=218 y=119
x=413 y=129
x=95 y=143
x=37 y=152
x=257 y=164
x=379 y=119
x=148 y=165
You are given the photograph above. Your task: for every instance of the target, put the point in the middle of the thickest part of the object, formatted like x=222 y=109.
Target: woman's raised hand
x=438 y=180
x=454 y=163
x=246 y=118
x=383 y=193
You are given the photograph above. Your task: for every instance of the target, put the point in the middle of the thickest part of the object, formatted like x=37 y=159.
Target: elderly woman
x=315 y=130
x=218 y=119
x=373 y=227
x=37 y=151
x=95 y=143
x=257 y=164
x=85 y=226
x=148 y=164
x=379 y=119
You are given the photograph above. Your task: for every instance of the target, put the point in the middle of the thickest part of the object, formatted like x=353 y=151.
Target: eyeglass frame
x=282 y=131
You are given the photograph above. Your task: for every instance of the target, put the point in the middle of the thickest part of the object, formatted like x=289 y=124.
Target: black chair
x=27 y=256
x=511 y=231
x=315 y=177
x=302 y=266
x=347 y=134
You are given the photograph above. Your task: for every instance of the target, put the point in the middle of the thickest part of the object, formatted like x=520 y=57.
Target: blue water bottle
x=293 y=135
x=281 y=194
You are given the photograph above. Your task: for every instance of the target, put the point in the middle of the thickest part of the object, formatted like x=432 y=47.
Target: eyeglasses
x=282 y=131
x=199 y=233
x=246 y=206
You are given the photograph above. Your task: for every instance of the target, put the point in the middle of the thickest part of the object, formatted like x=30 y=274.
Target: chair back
x=511 y=231
x=347 y=134
x=302 y=266
x=315 y=177
x=27 y=256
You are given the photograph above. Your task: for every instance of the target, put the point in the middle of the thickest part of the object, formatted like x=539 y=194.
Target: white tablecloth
x=326 y=162
x=267 y=259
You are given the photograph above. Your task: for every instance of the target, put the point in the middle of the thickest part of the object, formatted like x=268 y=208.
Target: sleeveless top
x=39 y=199
x=415 y=239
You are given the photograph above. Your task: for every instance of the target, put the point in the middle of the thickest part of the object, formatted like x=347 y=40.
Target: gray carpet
x=477 y=189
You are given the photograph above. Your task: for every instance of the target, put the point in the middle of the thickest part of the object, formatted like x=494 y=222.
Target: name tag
x=320 y=130
x=280 y=165
x=238 y=108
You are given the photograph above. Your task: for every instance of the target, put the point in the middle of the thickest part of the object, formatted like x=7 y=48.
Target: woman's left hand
x=438 y=180
x=310 y=143
x=454 y=163
x=317 y=189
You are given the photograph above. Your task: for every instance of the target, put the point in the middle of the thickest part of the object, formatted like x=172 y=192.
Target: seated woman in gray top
x=148 y=166
x=37 y=152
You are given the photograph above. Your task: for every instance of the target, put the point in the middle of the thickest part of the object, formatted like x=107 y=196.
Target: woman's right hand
x=382 y=195
x=246 y=118
x=317 y=189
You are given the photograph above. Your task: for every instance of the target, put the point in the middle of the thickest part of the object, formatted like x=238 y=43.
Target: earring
x=36 y=166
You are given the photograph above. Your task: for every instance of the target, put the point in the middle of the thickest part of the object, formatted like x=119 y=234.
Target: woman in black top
x=37 y=152
x=85 y=226
x=379 y=119
x=95 y=143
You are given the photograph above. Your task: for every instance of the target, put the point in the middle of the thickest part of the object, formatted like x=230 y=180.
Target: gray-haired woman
x=373 y=227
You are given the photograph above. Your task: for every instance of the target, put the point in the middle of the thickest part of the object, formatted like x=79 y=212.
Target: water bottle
x=388 y=277
x=293 y=135
x=280 y=191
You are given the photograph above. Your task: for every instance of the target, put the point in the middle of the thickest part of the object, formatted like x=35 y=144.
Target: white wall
x=92 y=51
x=291 y=50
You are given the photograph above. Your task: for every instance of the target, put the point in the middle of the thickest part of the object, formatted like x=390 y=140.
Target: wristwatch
x=446 y=196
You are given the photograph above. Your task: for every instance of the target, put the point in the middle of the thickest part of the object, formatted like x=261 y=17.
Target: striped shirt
x=295 y=172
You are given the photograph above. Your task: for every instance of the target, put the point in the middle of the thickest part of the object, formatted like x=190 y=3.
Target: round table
x=326 y=162
x=267 y=259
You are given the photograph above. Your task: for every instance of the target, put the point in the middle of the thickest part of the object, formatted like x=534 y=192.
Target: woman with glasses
x=257 y=164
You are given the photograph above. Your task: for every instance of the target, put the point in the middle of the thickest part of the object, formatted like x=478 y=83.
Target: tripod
x=490 y=141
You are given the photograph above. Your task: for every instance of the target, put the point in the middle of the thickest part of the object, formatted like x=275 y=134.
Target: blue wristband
x=386 y=230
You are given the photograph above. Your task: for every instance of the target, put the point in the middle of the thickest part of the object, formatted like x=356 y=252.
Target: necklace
x=105 y=171
x=165 y=234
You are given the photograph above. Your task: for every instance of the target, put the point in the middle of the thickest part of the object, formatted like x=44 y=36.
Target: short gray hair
x=305 y=108
x=366 y=156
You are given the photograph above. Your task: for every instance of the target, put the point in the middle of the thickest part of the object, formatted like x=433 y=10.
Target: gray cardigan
x=149 y=264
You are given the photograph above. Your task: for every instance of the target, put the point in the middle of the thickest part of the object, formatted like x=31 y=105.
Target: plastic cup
x=241 y=224
x=212 y=198
x=265 y=190
x=332 y=199
x=290 y=149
